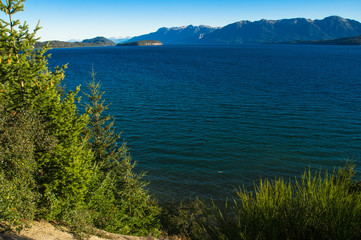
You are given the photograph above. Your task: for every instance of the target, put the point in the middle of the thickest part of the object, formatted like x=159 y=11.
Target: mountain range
x=330 y=30
x=296 y=29
x=177 y=35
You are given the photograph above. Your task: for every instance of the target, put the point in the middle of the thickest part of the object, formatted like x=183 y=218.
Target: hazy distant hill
x=119 y=39
x=177 y=35
x=93 y=42
x=284 y=30
x=340 y=41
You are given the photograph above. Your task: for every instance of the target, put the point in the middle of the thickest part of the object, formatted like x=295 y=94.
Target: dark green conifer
x=103 y=140
x=119 y=196
x=80 y=170
x=27 y=83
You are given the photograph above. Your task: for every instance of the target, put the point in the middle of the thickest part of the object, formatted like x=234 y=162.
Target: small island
x=142 y=43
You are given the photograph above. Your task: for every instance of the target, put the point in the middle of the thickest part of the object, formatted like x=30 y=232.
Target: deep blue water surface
x=202 y=120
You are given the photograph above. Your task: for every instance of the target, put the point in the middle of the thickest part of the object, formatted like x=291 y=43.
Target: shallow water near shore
x=203 y=120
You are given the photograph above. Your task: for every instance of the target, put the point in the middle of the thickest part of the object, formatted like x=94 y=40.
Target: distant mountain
x=119 y=39
x=262 y=31
x=74 y=40
x=340 y=41
x=338 y=27
x=177 y=35
x=93 y=42
x=284 y=30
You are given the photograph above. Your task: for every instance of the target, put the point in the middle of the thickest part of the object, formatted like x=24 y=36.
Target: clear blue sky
x=79 y=19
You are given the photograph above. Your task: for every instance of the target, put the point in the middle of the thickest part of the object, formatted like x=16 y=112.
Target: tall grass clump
x=318 y=206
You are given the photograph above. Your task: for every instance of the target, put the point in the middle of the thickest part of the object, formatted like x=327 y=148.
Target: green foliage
x=103 y=140
x=316 y=207
x=27 y=83
x=118 y=197
x=20 y=133
x=78 y=221
x=185 y=219
x=65 y=172
x=56 y=163
x=20 y=65
x=138 y=214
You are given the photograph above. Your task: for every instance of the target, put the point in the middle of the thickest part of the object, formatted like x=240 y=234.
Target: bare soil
x=45 y=231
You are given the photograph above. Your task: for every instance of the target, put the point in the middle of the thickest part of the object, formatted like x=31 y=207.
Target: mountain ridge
x=176 y=35
x=260 y=31
x=242 y=32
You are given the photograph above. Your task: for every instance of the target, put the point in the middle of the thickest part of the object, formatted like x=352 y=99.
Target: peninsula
x=142 y=43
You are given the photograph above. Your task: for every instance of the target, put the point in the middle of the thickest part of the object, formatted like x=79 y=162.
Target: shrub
x=185 y=219
x=20 y=133
x=316 y=207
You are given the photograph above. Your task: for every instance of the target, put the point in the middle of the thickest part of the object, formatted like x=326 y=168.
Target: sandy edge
x=43 y=230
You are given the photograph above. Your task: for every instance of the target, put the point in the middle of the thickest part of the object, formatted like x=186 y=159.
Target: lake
x=203 y=120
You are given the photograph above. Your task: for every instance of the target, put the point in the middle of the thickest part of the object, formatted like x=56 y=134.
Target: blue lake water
x=202 y=120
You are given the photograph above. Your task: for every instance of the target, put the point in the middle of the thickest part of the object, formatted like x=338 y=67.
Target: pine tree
x=103 y=139
x=26 y=82
x=119 y=196
x=82 y=169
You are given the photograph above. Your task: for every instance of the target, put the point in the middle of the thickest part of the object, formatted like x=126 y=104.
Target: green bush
x=315 y=207
x=185 y=219
x=20 y=133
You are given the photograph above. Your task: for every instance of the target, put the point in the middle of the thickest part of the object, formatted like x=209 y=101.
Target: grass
x=318 y=206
